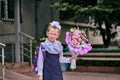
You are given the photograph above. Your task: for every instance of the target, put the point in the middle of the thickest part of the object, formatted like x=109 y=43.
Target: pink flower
x=76 y=38
x=76 y=34
x=74 y=42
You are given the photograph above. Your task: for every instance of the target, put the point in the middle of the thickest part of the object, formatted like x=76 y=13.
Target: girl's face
x=52 y=34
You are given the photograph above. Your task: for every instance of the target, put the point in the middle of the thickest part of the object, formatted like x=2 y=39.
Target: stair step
x=11 y=75
x=17 y=76
x=11 y=65
x=21 y=64
x=17 y=70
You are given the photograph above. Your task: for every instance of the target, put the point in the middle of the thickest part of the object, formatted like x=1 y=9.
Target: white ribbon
x=56 y=24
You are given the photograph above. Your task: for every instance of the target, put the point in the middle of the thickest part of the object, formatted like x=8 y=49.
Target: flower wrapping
x=77 y=44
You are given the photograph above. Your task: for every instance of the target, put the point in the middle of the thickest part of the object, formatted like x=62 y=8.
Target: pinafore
x=52 y=68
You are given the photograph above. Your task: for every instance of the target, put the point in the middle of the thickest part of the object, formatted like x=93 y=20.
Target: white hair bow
x=56 y=24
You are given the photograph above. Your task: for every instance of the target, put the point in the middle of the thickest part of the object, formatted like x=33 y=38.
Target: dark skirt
x=52 y=68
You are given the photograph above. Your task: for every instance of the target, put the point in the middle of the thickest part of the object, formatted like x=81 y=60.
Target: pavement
x=68 y=75
x=12 y=75
x=23 y=72
x=90 y=76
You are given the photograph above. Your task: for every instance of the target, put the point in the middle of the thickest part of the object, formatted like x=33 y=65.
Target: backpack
x=35 y=58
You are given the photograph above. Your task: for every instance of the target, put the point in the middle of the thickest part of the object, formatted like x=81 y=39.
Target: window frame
x=5 y=15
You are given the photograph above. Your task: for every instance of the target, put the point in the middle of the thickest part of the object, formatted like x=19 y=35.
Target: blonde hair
x=54 y=27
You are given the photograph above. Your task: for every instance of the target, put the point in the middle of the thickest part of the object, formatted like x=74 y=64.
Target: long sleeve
x=63 y=59
x=40 y=62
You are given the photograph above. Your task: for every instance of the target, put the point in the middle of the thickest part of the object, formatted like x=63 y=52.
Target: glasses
x=52 y=34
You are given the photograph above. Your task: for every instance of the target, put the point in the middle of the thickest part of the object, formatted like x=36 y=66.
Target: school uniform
x=49 y=66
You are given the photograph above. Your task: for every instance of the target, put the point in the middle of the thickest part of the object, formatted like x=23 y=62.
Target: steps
x=19 y=71
x=12 y=75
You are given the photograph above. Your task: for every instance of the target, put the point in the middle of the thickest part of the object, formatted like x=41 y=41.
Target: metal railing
x=25 y=40
x=3 y=61
x=26 y=46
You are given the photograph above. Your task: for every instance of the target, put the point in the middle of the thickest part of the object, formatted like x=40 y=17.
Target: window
x=7 y=10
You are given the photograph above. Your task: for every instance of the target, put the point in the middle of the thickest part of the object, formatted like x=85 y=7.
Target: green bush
x=98 y=63
x=105 y=50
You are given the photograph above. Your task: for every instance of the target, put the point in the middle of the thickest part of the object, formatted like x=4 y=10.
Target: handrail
x=2 y=45
x=23 y=36
x=3 y=61
x=26 y=35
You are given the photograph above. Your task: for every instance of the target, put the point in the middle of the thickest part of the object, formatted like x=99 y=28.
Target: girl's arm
x=40 y=63
x=63 y=59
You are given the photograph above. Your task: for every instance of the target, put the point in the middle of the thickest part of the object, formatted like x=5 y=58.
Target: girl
x=49 y=67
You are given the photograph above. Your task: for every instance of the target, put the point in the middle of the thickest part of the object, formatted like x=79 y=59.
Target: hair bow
x=56 y=24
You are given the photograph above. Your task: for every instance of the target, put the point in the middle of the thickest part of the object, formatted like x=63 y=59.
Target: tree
x=102 y=11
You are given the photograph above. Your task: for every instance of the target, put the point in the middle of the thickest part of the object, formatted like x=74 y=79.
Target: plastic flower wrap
x=77 y=43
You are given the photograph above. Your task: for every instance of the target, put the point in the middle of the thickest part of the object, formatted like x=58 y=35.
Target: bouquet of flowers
x=77 y=43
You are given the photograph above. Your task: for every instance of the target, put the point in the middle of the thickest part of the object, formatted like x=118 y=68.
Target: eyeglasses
x=52 y=34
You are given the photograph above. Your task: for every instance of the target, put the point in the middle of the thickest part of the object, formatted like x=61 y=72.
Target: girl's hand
x=40 y=77
x=73 y=57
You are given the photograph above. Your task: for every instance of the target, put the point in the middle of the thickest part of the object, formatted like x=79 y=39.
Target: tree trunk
x=108 y=25
x=105 y=33
x=102 y=33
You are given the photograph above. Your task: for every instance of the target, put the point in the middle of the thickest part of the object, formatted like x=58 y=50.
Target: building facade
x=34 y=15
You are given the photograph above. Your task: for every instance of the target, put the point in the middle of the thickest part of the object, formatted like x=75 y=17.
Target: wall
x=27 y=25
x=45 y=14
x=28 y=18
x=7 y=29
x=7 y=32
x=95 y=40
